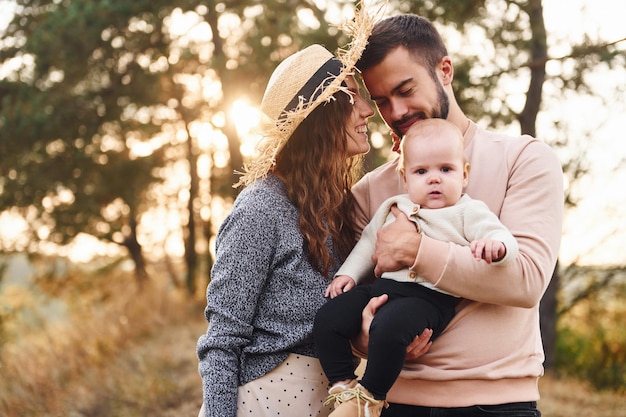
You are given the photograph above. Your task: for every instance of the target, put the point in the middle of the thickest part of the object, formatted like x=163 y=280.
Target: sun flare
x=247 y=118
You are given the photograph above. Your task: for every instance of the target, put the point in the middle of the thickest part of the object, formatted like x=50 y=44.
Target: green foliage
x=67 y=115
x=94 y=79
x=591 y=343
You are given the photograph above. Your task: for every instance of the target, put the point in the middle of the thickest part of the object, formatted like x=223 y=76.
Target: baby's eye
x=421 y=171
x=445 y=169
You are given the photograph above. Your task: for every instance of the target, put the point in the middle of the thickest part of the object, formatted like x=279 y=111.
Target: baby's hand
x=340 y=284
x=488 y=249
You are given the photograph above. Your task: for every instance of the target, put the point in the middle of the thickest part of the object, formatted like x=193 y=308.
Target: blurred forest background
x=121 y=126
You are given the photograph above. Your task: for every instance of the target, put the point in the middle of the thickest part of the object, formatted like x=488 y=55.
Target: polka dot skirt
x=297 y=387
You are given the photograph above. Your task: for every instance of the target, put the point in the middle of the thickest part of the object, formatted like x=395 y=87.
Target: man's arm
x=530 y=204
x=527 y=195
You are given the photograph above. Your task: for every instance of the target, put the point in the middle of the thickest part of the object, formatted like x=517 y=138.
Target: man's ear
x=446 y=70
x=396 y=142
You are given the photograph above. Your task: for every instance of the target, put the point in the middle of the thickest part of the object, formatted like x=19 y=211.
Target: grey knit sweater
x=262 y=298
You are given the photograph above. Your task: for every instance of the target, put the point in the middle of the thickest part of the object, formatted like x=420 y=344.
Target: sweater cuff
x=432 y=259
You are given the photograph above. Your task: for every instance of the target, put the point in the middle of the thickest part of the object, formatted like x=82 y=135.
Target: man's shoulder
x=486 y=137
x=509 y=142
x=374 y=188
x=380 y=183
x=509 y=149
x=386 y=174
x=384 y=170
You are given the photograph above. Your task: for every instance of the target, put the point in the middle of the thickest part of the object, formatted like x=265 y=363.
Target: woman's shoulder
x=268 y=192
x=259 y=209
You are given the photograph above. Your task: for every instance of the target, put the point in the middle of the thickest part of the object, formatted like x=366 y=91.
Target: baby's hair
x=434 y=127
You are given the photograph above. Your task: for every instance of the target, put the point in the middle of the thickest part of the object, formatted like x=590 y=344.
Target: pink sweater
x=491 y=352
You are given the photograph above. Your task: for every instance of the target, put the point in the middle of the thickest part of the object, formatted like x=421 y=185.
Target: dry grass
x=566 y=397
x=111 y=355
x=126 y=354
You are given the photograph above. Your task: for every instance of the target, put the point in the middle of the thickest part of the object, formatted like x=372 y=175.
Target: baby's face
x=435 y=170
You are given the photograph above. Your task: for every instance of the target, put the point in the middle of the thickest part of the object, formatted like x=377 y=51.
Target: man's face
x=404 y=91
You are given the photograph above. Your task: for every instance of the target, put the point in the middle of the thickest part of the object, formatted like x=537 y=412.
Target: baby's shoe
x=335 y=392
x=355 y=402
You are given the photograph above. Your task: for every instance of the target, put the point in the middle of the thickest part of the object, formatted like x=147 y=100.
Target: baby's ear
x=401 y=172
x=466 y=172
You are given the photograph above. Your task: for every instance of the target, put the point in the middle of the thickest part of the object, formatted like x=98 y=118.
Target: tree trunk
x=548 y=319
x=136 y=254
x=226 y=77
x=191 y=257
x=528 y=120
x=539 y=56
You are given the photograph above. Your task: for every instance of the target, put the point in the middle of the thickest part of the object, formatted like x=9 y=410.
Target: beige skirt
x=296 y=388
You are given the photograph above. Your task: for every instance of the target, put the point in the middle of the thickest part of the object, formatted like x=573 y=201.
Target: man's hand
x=367 y=315
x=396 y=244
x=418 y=346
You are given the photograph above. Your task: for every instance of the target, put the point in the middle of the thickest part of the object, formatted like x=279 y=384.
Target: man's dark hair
x=415 y=33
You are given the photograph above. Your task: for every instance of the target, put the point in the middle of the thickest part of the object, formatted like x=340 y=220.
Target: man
x=488 y=360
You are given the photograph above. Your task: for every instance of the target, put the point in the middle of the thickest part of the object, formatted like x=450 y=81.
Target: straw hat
x=298 y=85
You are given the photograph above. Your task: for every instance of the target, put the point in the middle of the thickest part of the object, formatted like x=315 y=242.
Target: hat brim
x=276 y=133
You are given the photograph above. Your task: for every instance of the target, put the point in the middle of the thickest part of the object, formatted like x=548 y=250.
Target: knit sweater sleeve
x=244 y=248
x=359 y=265
x=482 y=223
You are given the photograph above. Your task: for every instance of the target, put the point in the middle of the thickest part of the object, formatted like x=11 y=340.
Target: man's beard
x=439 y=111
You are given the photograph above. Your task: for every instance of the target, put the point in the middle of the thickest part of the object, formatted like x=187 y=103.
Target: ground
x=561 y=397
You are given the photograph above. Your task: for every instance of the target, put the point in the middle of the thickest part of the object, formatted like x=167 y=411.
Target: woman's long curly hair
x=318 y=174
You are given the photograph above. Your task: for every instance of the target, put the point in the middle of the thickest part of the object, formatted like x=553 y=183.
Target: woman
x=286 y=236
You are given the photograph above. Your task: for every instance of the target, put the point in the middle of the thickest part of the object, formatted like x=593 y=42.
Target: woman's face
x=356 y=125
